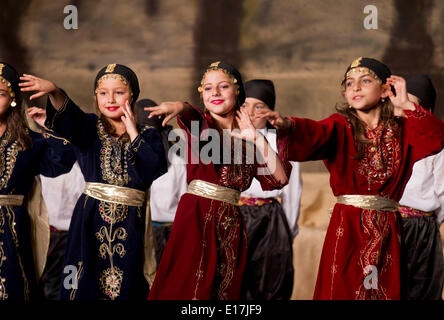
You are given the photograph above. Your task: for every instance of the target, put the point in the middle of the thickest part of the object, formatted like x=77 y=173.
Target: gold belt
x=11 y=200
x=369 y=202
x=115 y=194
x=214 y=191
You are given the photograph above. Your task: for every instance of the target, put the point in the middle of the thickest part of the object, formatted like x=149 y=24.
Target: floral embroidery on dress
x=113 y=156
x=382 y=154
x=8 y=157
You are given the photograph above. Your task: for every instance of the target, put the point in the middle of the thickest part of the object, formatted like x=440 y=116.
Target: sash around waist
x=11 y=199
x=370 y=202
x=213 y=191
x=115 y=194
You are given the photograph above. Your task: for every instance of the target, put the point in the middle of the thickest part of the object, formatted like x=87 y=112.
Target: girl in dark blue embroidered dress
x=106 y=257
x=24 y=154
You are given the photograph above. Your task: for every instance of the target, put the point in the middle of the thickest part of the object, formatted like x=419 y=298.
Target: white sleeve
x=291 y=198
x=438 y=176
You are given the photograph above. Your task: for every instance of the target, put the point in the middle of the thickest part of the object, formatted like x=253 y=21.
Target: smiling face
x=111 y=95
x=362 y=91
x=253 y=105
x=218 y=93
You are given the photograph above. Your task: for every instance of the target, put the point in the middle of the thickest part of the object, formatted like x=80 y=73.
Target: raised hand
x=400 y=101
x=169 y=109
x=247 y=130
x=275 y=119
x=42 y=87
x=129 y=121
x=33 y=83
x=38 y=115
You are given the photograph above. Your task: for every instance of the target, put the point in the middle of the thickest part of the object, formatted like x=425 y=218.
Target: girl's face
x=253 y=105
x=218 y=93
x=111 y=97
x=362 y=91
x=5 y=99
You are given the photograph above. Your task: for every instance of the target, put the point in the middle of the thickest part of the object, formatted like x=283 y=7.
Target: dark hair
x=358 y=127
x=15 y=119
x=17 y=126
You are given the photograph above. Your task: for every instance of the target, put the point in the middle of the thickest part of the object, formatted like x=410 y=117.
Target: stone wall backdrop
x=304 y=46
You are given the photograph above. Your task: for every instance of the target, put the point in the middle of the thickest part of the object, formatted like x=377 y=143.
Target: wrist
x=408 y=106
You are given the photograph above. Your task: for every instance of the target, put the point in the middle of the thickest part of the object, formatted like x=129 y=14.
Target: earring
x=13 y=103
x=382 y=100
x=349 y=106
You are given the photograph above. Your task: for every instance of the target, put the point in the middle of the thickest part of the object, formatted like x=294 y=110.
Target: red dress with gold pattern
x=206 y=253
x=361 y=254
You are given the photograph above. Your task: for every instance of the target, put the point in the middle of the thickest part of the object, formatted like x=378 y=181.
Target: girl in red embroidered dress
x=369 y=148
x=206 y=253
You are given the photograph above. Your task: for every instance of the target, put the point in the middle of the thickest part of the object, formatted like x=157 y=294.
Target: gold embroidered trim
x=364 y=70
x=111 y=282
x=110 y=67
x=356 y=63
x=113 y=76
x=78 y=275
x=3 y=292
x=213 y=191
x=11 y=214
x=8 y=84
x=7 y=162
x=46 y=134
x=213 y=67
x=11 y=200
x=114 y=166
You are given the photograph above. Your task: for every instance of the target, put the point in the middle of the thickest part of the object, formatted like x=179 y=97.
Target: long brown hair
x=387 y=117
x=17 y=126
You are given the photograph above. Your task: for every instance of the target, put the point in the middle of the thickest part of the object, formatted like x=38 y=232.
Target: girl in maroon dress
x=206 y=252
x=369 y=148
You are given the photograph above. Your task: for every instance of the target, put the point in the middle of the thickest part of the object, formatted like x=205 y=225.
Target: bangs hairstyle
x=358 y=126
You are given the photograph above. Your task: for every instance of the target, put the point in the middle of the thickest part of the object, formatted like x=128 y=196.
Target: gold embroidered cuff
x=115 y=194
x=369 y=202
x=213 y=191
x=11 y=200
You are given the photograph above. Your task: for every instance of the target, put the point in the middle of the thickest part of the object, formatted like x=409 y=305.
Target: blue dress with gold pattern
x=48 y=155
x=105 y=249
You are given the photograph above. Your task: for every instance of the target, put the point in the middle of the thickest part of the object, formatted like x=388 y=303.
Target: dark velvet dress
x=50 y=156
x=105 y=250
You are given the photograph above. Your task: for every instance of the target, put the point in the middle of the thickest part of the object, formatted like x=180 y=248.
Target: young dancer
x=24 y=154
x=270 y=216
x=105 y=251
x=369 y=148
x=422 y=210
x=206 y=252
